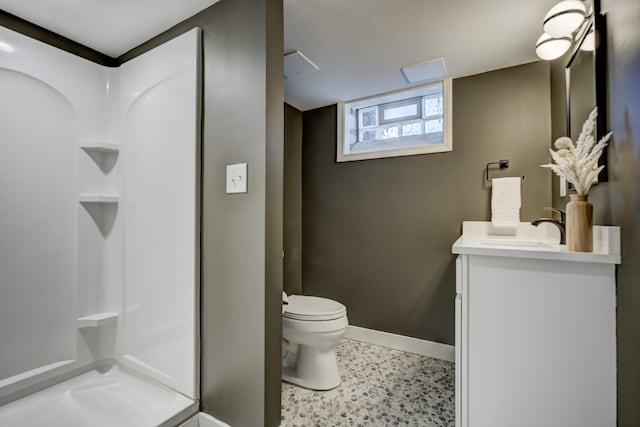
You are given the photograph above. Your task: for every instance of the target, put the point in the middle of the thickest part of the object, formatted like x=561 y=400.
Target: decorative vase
x=579 y=224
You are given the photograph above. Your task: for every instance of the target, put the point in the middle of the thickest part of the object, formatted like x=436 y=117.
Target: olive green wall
x=377 y=234
x=617 y=202
x=274 y=200
x=292 y=200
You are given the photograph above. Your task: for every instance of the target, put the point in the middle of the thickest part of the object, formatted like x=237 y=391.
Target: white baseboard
x=402 y=343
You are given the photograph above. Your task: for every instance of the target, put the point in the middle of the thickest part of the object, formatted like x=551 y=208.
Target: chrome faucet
x=561 y=223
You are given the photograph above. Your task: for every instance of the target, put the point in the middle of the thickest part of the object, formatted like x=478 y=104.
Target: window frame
x=398 y=97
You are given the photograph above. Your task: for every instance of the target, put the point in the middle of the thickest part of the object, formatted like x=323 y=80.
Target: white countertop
x=527 y=241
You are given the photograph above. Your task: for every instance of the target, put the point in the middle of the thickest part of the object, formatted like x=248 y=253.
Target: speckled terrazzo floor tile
x=380 y=387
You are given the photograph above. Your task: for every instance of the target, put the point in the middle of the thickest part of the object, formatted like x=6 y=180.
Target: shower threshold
x=104 y=397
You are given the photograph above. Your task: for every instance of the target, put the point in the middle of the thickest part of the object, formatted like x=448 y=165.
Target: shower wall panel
x=160 y=139
x=99 y=193
x=50 y=100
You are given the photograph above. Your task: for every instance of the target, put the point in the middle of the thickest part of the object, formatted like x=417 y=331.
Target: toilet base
x=316 y=369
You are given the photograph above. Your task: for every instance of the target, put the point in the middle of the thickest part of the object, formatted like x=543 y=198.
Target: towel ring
x=502 y=164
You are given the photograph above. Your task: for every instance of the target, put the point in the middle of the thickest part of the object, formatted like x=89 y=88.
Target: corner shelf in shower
x=97 y=198
x=95 y=320
x=99 y=146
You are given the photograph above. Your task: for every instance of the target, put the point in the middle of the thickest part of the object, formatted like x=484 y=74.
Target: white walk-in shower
x=99 y=262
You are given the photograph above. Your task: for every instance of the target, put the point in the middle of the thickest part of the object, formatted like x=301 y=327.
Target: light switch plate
x=237 y=178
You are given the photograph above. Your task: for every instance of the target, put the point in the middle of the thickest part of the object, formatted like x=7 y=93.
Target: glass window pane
x=412 y=128
x=433 y=126
x=432 y=106
x=389 y=131
x=367 y=135
x=400 y=112
x=368 y=117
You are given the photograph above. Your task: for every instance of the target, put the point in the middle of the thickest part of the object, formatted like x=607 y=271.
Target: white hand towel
x=505 y=202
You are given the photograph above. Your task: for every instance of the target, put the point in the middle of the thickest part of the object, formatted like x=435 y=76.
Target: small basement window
x=413 y=121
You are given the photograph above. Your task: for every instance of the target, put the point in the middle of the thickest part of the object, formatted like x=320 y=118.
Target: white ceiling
x=359 y=45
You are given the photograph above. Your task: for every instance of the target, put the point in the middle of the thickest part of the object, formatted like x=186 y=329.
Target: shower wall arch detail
x=38 y=227
x=98 y=163
x=160 y=147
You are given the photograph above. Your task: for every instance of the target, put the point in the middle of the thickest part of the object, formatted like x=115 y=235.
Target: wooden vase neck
x=579 y=197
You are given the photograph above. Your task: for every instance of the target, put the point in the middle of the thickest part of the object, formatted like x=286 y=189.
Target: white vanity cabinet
x=535 y=330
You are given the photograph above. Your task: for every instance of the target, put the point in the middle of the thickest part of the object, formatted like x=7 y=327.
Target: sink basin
x=518 y=242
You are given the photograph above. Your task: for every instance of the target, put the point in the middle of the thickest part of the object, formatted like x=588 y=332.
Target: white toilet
x=311 y=328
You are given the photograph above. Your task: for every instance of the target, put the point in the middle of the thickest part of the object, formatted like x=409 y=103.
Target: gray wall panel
x=233 y=229
x=292 y=200
x=274 y=209
x=617 y=202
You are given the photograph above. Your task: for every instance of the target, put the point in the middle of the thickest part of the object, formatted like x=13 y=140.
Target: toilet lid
x=313 y=308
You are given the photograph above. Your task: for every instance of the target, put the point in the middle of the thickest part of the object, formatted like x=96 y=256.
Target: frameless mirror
x=585 y=76
x=581 y=90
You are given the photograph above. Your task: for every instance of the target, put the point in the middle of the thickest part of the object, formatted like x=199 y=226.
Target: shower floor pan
x=99 y=398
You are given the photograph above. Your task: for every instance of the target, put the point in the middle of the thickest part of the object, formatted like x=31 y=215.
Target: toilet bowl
x=311 y=328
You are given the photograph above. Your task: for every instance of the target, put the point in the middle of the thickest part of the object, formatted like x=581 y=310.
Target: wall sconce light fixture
x=559 y=25
x=550 y=48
